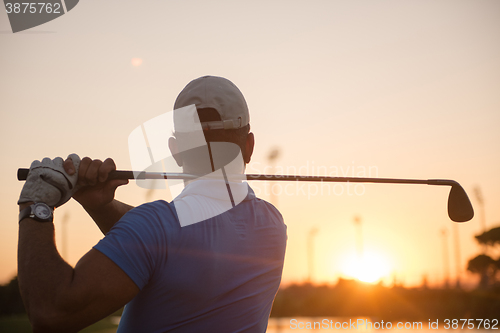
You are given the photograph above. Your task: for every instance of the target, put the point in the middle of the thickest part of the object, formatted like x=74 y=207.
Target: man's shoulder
x=153 y=207
x=158 y=212
x=266 y=206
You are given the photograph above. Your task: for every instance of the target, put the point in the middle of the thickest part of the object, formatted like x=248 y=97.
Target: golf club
x=459 y=206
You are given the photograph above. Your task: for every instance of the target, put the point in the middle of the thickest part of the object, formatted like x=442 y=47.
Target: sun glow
x=371 y=267
x=136 y=62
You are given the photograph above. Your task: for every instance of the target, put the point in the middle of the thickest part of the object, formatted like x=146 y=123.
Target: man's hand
x=48 y=181
x=96 y=191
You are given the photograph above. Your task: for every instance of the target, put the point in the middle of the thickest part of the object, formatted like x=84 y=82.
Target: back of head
x=222 y=109
x=220 y=94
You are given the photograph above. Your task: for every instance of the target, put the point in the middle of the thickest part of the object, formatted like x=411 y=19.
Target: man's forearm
x=106 y=216
x=43 y=275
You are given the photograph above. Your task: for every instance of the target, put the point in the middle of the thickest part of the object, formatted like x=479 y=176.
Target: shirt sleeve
x=133 y=244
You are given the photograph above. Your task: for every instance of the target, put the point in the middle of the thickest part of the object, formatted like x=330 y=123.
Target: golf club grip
x=22 y=174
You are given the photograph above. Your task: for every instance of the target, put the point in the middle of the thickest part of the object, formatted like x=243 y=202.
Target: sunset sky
x=397 y=89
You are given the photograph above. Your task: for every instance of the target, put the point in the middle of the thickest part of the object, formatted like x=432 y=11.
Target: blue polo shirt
x=218 y=275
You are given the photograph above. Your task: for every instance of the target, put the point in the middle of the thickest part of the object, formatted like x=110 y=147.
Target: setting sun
x=371 y=267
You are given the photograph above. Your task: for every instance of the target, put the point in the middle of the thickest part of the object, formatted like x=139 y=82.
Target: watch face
x=42 y=211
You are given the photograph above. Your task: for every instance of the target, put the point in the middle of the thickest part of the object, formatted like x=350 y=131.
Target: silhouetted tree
x=486 y=267
x=490 y=237
x=10 y=299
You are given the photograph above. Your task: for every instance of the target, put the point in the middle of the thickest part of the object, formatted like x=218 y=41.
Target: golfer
x=209 y=261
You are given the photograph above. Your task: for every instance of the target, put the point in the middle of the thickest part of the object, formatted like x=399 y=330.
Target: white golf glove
x=48 y=182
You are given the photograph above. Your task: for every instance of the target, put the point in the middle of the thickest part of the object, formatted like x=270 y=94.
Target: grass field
x=20 y=324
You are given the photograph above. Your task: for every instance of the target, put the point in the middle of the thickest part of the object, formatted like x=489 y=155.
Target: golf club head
x=459 y=206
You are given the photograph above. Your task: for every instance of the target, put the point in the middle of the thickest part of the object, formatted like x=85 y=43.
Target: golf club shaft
x=123 y=174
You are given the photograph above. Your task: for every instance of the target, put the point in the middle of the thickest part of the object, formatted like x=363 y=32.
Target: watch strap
x=26 y=212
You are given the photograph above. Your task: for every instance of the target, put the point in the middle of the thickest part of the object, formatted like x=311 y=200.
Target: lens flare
x=136 y=62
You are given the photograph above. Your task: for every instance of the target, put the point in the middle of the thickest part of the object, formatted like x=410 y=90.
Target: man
x=218 y=274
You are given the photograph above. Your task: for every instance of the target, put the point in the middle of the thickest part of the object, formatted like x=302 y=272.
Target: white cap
x=220 y=94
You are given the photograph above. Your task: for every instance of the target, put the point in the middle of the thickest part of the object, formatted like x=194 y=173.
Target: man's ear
x=249 y=144
x=174 y=149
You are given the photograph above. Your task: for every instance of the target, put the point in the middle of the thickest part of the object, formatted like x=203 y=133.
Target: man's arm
x=97 y=192
x=59 y=298
x=106 y=216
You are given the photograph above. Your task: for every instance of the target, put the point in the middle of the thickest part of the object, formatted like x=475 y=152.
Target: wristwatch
x=40 y=212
